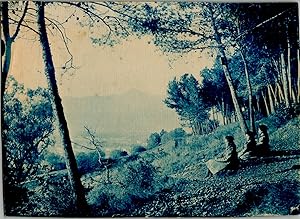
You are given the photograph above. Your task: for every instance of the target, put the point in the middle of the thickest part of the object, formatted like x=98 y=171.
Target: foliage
x=88 y=162
x=184 y=97
x=134 y=183
x=50 y=196
x=154 y=140
x=177 y=133
x=139 y=178
x=137 y=149
x=27 y=132
x=55 y=160
x=116 y=154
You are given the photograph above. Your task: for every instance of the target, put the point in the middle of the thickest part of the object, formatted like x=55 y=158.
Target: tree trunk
x=289 y=72
x=74 y=177
x=227 y=75
x=276 y=103
x=285 y=81
x=298 y=82
x=223 y=111
x=272 y=107
x=257 y=103
x=250 y=110
x=266 y=103
x=8 y=42
x=280 y=93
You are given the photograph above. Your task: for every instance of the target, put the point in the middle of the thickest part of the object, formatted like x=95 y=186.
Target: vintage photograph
x=150 y=109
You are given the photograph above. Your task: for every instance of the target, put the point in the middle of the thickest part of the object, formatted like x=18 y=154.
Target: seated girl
x=228 y=161
x=262 y=147
x=250 y=146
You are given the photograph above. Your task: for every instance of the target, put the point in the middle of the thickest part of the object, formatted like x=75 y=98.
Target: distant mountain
x=130 y=113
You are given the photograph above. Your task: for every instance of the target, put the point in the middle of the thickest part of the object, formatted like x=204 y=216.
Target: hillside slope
x=262 y=186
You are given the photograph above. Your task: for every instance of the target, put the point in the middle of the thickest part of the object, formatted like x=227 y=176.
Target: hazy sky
x=134 y=64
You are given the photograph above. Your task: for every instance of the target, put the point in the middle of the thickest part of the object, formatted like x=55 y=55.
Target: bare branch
x=20 y=22
x=69 y=63
x=83 y=146
x=27 y=26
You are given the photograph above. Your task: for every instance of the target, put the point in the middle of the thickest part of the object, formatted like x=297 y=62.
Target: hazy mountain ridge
x=130 y=113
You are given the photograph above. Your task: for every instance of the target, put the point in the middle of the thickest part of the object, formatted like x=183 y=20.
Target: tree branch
x=262 y=23
x=20 y=22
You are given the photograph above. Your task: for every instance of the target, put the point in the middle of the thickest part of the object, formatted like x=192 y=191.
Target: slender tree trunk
x=272 y=107
x=8 y=42
x=250 y=110
x=223 y=111
x=4 y=73
x=74 y=177
x=280 y=93
x=285 y=81
x=289 y=72
x=298 y=81
x=266 y=103
x=274 y=95
x=257 y=103
x=227 y=75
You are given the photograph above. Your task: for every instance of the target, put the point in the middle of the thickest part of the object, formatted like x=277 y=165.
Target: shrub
x=56 y=161
x=177 y=133
x=108 y=199
x=134 y=183
x=88 y=162
x=116 y=154
x=137 y=149
x=165 y=137
x=139 y=178
x=48 y=196
x=154 y=140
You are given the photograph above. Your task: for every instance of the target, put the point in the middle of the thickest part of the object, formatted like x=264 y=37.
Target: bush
x=108 y=199
x=134 y=183
x=137 y=149
x=154 y=140
x=88 y=162
x=56 y=161
x=139 y=178
x=177 y=133
x=116 y=154
x=43 y=197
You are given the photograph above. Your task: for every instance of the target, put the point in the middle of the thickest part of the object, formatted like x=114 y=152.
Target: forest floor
x=262 y=186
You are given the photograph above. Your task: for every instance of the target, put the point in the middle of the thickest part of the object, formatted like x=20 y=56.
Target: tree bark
x=257 y=103
x=223 y=111
x=289 y=72
x=266 y=103
x=285 y=81
x=8 y=42
x=250 y=110
x=227 y=74
x=74 y=177
x=298 y=81
x=280 y=93
x=272 y=107
x=276 y=103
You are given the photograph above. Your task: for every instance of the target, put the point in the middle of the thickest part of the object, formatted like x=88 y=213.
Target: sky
x=133 y=64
